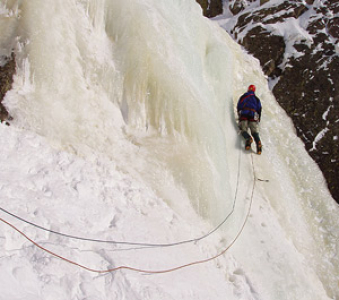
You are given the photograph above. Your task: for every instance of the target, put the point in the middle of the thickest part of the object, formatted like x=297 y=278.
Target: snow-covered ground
x=124 y=131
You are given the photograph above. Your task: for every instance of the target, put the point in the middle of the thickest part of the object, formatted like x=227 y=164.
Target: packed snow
x=123 y=154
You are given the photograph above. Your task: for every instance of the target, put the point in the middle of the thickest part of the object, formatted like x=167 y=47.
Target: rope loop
x=123 y=267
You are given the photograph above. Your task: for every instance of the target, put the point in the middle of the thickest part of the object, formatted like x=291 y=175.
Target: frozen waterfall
x=151 y=87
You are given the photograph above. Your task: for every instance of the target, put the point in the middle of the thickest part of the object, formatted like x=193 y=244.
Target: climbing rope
x=122 y=267
x=143 y=270
x=141 y=244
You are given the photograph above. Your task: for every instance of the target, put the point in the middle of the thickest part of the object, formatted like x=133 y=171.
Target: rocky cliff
x=7 y=70
x=296 y=43
x=211 y=8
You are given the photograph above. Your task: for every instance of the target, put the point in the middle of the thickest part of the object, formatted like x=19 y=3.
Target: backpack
x=249 y=107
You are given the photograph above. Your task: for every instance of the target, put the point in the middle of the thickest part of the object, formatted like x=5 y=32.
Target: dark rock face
x=269 y=49
x=305 y=67
x=211 y=8
x=6 y=79
x=313 y=105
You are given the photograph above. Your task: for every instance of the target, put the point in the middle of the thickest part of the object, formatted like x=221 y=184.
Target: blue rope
x=143 y=244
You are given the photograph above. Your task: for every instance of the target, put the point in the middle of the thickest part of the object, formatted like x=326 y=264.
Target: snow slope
x=124 y=130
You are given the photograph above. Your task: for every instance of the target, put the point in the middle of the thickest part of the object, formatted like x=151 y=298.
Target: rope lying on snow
x=143 y=244
x=142 y=270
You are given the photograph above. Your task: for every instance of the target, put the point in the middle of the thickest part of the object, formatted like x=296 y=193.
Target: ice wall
x=129 y=79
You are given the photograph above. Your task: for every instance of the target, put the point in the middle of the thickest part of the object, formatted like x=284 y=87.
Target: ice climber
x=249 y=112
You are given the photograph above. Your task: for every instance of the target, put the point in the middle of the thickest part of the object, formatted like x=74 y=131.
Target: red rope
x=142 y=270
